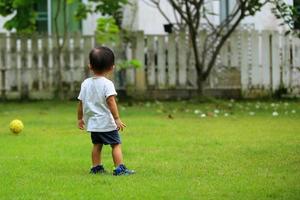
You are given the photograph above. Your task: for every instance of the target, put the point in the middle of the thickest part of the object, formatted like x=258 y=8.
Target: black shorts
x=110 y=137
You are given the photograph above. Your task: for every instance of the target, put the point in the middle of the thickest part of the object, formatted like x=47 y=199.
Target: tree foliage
x=105 y=7
x=290 y=16
x=107 y=30
x=24 y=15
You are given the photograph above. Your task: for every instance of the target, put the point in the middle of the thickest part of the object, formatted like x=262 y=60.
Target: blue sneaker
x=99 y=169
x=122 y=170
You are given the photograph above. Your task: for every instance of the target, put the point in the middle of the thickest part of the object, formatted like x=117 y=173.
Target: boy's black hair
x=101 y=58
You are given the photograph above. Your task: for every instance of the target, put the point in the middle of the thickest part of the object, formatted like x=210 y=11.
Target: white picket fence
x=28 y=65
x=257 y=63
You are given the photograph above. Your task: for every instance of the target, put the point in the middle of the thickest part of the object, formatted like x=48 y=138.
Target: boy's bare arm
x=112 y=105
x=80 y=121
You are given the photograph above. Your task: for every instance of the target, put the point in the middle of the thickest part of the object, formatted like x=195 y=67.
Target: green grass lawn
x=180 y=150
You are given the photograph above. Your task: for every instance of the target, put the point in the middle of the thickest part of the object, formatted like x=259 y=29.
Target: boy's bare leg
x=96 y=154
x=117 y=154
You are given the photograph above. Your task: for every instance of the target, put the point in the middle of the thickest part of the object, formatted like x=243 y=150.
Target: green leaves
x=105 y=7
x=107 y=30
x=24 y=19
x=252 y=7
x=6 y=7
x=289 y=15
x=82 y=11
x=109 y=7
x=70 y=1
x=126 y=64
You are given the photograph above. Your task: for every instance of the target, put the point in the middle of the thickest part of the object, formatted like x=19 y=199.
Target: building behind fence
x=251 y=64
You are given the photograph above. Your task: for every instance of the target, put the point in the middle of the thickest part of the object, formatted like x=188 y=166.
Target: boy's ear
x=90 y=66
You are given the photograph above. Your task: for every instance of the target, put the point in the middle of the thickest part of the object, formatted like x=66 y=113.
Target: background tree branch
x=194 y=14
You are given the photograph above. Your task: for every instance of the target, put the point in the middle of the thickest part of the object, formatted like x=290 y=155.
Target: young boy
x=98 y=112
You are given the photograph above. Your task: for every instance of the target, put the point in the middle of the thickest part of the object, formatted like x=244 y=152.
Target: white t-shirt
x=96 y=114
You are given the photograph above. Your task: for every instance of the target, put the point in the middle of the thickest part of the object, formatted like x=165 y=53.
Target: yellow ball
x=16 y=126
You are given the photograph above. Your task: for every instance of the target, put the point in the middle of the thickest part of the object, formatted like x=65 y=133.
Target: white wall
x=265 y=20
x=147 y=18
x=89 y=25
x=151 y=21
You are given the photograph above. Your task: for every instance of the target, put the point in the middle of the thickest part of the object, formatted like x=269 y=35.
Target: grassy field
x=180 y=150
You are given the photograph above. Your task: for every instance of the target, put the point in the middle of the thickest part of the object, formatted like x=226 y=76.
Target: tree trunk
x=59 y=83
x=198 y=64
x=200 y=83
x=60 y=47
